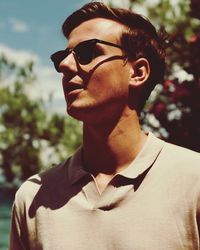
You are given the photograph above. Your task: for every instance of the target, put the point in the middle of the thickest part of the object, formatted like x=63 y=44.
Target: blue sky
x=31 y=30
x=35 y=25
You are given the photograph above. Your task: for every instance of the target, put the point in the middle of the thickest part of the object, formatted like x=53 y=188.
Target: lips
x=71 y=86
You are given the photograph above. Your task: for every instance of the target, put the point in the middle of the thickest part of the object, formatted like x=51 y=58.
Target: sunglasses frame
x=60 y=55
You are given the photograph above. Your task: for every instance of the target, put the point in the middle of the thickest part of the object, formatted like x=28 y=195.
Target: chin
x=90 y=112
x=76 y=112
x=85 y=115
x=79 y=108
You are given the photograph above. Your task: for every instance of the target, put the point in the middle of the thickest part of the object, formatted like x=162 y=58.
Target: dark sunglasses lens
x=85 y=52
x=58 y=57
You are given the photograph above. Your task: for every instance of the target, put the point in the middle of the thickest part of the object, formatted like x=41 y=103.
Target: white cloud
x=18 y=25
x=20 y=57
x=48 y=81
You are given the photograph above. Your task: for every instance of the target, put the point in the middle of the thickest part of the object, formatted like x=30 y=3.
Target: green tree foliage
x=177 y=107
x=26 y=130
x=172 y=112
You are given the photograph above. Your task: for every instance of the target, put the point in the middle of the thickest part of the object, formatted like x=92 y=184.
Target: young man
x=123 y=189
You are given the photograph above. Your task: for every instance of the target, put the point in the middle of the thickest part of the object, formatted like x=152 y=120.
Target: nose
x=68 y=65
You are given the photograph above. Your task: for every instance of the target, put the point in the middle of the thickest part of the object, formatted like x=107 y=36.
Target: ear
x=140 y=72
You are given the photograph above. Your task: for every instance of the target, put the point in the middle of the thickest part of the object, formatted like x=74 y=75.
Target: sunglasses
x=84 y=52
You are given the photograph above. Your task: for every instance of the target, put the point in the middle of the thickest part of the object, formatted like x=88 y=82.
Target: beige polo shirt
x=154 y=204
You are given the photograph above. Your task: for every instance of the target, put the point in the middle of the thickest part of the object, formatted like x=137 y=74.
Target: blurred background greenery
x=32 y=139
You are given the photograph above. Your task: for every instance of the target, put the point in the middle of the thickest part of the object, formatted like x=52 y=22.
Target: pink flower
x=193 y=39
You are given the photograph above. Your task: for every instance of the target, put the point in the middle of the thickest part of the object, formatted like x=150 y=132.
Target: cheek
x=111 y=76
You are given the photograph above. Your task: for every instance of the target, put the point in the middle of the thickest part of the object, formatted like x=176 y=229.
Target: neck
x=109 y=148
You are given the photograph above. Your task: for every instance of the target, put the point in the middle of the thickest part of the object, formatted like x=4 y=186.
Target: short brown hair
x=139 y=38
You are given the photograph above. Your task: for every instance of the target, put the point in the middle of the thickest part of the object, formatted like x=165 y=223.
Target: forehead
x=99 y=28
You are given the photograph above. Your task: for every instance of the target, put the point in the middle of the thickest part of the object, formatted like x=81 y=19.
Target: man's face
x=98 y=90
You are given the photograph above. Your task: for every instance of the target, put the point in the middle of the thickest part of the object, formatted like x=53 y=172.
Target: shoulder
x=51 y=188
x=46 y=181
x=180 y=154
x=171 y=155
x=180 y=164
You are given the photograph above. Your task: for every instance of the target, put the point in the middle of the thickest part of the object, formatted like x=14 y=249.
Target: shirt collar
x=75 y=169
x=145 y=158
x=140 y=164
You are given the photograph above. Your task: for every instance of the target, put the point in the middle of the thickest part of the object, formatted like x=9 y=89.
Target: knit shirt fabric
x=154 y=204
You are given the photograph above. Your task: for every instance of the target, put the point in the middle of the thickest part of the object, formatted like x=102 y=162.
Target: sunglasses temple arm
x=111 y=44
